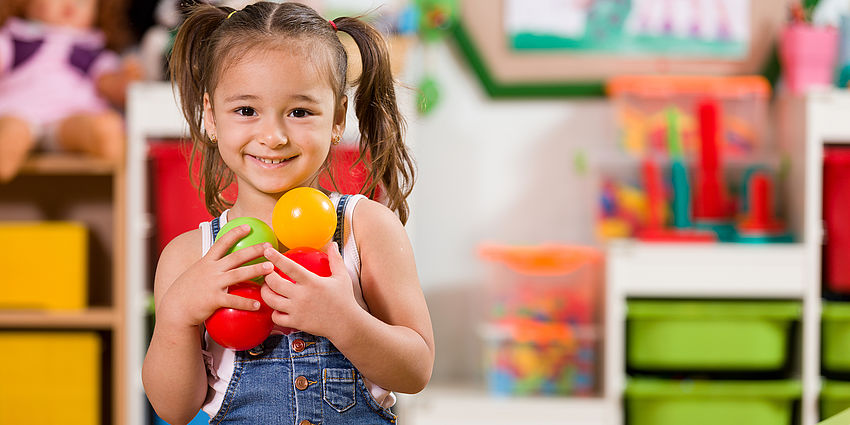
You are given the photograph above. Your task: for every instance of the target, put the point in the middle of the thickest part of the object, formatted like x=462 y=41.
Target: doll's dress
x=48 y=73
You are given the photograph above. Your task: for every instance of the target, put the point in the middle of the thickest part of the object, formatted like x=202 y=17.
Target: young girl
x=268 y=83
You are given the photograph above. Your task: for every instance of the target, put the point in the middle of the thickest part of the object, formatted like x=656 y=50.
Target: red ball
x=241 y=329
x=311 y=259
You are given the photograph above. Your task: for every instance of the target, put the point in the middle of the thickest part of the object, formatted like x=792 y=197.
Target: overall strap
x=215 y=227
x=339 y=234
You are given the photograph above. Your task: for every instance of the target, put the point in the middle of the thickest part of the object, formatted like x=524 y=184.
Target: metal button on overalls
x=298 y=345
x=301 y=383
x=305 y=422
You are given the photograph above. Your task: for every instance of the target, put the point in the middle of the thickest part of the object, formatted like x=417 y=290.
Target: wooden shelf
x=93 y=318
x=52 y=164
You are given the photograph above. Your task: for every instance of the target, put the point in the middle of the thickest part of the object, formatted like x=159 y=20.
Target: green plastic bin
x=709 y=335
x=836 y=337
x=834 y=398
x=668 y=402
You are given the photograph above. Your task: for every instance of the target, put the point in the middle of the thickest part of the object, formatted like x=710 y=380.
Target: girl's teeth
x=271 y=161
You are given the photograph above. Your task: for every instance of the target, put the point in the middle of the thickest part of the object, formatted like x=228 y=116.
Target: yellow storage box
x=50 y=378
x=44 y=265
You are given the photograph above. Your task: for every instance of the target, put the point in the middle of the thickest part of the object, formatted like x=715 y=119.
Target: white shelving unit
x=780 y=271
x=152 y=112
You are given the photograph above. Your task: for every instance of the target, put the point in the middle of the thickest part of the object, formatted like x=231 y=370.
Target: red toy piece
x=241 y=329
x=760 y=219
x=710 y=201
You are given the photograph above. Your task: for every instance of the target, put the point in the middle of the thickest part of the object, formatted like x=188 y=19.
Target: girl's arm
x=394 y=345
x=187 y=290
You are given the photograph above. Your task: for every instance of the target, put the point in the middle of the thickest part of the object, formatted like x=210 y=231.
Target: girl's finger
x=240 y=303
x=241 y=274
x=244 y=255
x=286 y=265
x=335 y=260
x=220 y=247
x=275 y=300
x=283 y=319
x=279 y=285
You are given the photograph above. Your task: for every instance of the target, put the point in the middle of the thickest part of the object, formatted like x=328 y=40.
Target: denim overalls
x=298 y=379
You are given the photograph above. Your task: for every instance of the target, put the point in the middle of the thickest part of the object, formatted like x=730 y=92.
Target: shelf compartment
x=66 y=164
x=703 y=336
x=661 y=402
x=677 y=270
x=93 y=318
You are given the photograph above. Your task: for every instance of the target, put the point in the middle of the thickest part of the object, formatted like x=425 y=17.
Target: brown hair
x=111 y=18
x=208 y=39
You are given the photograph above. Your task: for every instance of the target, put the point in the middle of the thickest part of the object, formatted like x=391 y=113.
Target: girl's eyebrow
x=241 y=97
x=305 y=98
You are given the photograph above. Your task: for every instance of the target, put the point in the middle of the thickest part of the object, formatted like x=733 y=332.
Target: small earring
x=213 y=139
x=335 y=140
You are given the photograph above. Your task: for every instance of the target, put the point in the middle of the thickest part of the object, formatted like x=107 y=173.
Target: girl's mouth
x=271 y=161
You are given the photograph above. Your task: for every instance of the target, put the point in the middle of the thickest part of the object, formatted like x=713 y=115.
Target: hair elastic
x=230 y=14
x=333 y=24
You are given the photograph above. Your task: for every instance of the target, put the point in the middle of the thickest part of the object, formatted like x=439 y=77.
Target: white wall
x=497 y=170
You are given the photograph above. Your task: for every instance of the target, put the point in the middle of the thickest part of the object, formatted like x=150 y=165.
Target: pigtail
x=189 y=70
x=381 y=124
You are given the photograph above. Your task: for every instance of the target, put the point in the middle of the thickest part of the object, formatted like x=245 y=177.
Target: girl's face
x=66 y=13
x=274 y=118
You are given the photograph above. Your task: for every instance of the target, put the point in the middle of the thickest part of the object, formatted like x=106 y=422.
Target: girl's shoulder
x=373 y=220
x=181 y=251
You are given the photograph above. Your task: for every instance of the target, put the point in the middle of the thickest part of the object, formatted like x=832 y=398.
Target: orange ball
x=304 y=217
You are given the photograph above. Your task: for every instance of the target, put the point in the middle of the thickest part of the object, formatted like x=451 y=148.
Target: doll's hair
x=212 y=37
x=111 y=18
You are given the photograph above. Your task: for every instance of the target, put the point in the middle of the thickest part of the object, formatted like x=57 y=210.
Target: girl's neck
x=253 y=205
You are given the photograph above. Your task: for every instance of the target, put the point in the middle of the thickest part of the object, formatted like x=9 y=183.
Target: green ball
x=260 y=233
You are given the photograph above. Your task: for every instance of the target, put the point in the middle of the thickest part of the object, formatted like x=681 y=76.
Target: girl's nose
x=274 y=135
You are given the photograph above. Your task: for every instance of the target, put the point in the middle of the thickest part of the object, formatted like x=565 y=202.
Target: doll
x=59 y=84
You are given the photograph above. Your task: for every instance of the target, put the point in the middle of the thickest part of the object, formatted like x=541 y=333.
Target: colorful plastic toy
x=260 y=233
x=241 y=329
x=304 y=217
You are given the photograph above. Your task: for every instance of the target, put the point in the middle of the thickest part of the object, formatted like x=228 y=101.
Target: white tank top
x=219 y=360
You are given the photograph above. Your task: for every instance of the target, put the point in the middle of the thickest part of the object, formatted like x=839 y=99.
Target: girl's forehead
x=292 y=51
x=272 y=68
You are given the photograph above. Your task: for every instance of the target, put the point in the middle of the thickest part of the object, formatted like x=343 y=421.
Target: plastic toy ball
x=241 y=329
x=311 y=259
x=304 y=217
x=260 y=232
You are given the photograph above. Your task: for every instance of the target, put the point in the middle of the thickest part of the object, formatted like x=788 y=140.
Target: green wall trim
x=770 y=70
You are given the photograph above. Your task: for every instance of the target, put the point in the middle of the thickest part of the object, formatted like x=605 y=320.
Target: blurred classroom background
x=626 y=211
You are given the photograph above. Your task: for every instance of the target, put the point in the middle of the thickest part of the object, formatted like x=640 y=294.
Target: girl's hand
x=313 y=304
x=202 y=289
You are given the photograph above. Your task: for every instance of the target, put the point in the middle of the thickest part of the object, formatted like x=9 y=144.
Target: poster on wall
x=718 y=29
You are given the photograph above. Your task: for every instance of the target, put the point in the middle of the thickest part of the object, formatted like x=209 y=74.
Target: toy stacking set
x=689 y=133
x=540 y=331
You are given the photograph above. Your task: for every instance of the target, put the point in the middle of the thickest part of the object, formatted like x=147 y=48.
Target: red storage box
x=836 y=210
x=178 y=206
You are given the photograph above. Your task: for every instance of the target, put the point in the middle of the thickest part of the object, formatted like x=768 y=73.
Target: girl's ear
x=209 y=118
x=339 y=116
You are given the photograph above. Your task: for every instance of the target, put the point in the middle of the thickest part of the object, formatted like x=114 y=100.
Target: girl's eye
x=299 y=113
x=245 y=111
